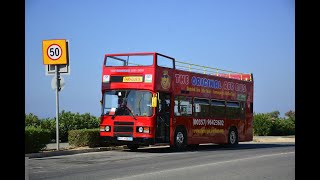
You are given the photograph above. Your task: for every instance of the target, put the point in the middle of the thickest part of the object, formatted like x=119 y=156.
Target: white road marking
x=202 y=165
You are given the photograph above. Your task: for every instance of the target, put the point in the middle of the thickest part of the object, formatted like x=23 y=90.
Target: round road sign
x=54 y=83
x=54 y=51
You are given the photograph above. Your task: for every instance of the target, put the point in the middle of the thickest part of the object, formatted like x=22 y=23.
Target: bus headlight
x=107 y=128
x=143 y=129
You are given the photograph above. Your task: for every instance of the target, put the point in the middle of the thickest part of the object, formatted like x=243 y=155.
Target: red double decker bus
x=152 y=99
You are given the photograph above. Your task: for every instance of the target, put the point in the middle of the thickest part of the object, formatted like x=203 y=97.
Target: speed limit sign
x=55 y=51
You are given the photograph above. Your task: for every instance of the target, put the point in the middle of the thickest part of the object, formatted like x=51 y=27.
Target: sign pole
x=55 y=52
x=57 y=106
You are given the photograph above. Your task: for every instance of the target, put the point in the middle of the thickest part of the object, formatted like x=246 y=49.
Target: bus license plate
x=125 y=138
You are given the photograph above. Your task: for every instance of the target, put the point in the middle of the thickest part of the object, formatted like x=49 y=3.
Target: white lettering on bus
x=127 y=70
x=182 y=79
x=215 y=122
x=197 y=122
x=241 y=87
x=230 y=86
x=208 y=122
x=204 y=82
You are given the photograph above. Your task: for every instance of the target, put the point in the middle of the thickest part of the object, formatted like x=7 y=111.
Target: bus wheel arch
x=180 y=139
x=233 y=137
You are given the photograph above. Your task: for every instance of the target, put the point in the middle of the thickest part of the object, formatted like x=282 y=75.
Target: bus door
x=243 y=122
x=163 y=118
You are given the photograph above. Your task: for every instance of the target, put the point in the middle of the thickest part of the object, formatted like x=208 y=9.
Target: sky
x=247 y=36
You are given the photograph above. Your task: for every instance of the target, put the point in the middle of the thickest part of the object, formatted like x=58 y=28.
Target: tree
x=291 y=115
x=31 y=120
x=274 y=114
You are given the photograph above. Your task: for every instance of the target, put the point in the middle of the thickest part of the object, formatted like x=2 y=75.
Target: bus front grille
x=123 y=129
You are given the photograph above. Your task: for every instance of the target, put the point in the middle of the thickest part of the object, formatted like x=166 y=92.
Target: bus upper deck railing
x=212 y=71
x=209 y=70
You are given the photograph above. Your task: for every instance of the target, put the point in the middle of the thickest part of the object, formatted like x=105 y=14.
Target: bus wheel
x=233 y=137
x=179 y=140
x=133 y=147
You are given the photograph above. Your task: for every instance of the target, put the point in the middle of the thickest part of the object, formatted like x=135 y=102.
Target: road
x=246 y=161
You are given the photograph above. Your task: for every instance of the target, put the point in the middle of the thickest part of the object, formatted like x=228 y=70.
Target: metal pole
x=57 y=107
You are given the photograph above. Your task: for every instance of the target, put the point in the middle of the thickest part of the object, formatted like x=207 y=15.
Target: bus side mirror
x=101 y=102
x=154 y=101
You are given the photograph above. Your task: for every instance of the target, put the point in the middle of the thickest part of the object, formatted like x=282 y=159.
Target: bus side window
x=176 y=107
x=233 y=110
x=243 y=110
x=218 y=108
x=182 y=106
x=201 y=107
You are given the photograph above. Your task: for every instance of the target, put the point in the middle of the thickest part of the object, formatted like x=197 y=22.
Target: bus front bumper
x=138 y=141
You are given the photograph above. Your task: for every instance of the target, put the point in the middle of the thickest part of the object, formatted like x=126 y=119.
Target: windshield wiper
x=115 y=112
x=114 y=115
x=132 y=114
x=125 y=108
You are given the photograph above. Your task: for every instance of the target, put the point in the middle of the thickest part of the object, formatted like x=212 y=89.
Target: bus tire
x=180 y=140
x=133 y=147
x=233 y=137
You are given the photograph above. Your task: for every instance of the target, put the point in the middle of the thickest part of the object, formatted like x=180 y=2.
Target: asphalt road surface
x=246 y=161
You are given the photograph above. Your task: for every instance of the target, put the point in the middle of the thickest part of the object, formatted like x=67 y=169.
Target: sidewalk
x=52 y=146
x=274 y=139
x=66 y=149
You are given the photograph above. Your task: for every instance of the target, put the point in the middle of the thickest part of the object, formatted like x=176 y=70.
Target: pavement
x=66 y=149
x=270 y=139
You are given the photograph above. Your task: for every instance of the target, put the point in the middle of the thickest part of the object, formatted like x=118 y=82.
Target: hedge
x=36 y=139
x=67 y=121
x=270 y=124
x=85 y=137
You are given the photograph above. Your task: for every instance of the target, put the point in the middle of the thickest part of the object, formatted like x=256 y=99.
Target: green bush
x=85 y=137
x=36 y=139
x=270 y=124
x=50 y=125
x=262 y=125
x=291 y=115
x=284 y=127
x=31 y=120
x=73 y=121
x=67 y=121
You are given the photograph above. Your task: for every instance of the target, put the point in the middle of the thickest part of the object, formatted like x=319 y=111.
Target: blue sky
x=247 y=36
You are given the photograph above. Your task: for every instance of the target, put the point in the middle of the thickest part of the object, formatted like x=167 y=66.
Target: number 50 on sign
x=55 y=51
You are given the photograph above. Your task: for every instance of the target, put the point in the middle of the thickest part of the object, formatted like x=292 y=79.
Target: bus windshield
x=127 y=103
x=133 y=60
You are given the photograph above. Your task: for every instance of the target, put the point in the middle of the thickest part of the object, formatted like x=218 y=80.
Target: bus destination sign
x=132 y=79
